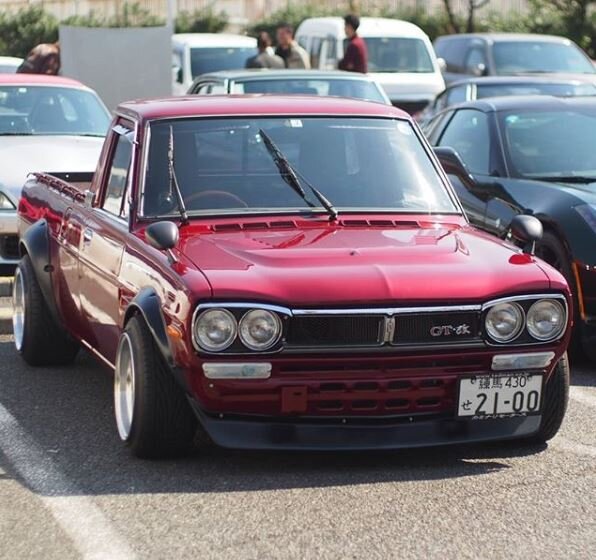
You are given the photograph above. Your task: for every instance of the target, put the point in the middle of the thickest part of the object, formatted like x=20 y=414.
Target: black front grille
x=335 y=330
x=9 y=246
x=421 y=328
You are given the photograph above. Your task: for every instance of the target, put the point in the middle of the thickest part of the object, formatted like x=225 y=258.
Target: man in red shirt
x=356 y=56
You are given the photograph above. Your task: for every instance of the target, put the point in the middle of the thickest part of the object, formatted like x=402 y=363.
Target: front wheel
x=555 y=401
x=153 y=415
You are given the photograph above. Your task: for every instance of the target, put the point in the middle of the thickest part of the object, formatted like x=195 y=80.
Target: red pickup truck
x=288 y=273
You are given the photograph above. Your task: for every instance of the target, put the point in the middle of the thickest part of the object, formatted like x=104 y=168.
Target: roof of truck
x=239 y=105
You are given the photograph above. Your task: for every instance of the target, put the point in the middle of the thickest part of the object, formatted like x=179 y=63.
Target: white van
x=400 y=56
x=194 y=54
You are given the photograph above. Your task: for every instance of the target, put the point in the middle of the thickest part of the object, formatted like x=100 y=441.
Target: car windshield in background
x=550 y=144
x=396 y=54
x=205 y=59
x=513 y=57
x=359 y=89
x=44 y=110
x=558 y=90
x=359 y=164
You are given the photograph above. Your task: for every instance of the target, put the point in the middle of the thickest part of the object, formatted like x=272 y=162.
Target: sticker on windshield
x=404 y=128
x=295 y=123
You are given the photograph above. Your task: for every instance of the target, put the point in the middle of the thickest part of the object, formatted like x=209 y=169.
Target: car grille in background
x=318 y=331
x=9 y=246
x=411 y=107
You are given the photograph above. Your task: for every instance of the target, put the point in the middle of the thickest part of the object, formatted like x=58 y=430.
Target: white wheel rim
x=18 y=303
x=124 y=387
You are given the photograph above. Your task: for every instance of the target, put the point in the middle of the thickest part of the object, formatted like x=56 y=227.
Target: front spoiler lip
x=271 y=433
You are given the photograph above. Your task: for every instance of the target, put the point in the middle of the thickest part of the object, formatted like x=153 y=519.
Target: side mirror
x=452 y=163
x=480 y=70
x=179 y=76
x=163 y=236
x=528 y=230
x=442 y=63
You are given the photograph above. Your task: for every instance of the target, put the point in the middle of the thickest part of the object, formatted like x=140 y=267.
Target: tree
x=454 y=22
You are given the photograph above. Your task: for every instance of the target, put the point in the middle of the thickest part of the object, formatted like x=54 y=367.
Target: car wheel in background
x=37 y=337
x=554 y=401
x=152 y=413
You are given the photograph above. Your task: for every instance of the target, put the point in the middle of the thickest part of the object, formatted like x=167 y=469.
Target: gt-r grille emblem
x=450 y=330
x=388 y=330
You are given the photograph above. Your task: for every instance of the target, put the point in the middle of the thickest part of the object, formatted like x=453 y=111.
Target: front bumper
x=354 y=435
x=9 y=240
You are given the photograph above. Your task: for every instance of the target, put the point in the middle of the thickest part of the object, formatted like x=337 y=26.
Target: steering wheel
x=214 y=195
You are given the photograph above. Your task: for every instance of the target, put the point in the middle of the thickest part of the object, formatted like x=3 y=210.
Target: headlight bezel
x=525 y=338
x=238 y=311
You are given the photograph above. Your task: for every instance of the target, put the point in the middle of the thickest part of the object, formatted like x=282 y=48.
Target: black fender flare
x=36 y=243
x=148 y=304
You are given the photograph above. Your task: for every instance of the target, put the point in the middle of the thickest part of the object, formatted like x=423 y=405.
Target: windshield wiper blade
x=580 y=179
x=174 y=186
x=292 y=177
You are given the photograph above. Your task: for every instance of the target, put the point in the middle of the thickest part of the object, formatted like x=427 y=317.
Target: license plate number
x=504 y=394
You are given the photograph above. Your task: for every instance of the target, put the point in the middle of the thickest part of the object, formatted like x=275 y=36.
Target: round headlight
x=546 y=319
x=260 y=329
x=504 y=321
x=215 y=330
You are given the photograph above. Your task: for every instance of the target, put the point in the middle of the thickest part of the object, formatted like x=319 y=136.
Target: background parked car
x=194 y=54
x=47 y=123
x=507 y=54
x=9 y=64
x=400 y=56
x=311 y=82
x=531 y=155
x=498 y=86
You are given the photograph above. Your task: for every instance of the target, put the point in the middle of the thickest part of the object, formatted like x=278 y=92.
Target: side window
x=435 y=126
x=330 y=50
x=476 y=61
x=118 y=178
x=315 y=51
x=468 y=134
x=456 y=95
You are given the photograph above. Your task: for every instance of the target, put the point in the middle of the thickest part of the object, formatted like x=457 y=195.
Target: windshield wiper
x=579 y=179
x=174 y=186
x=8 y=133
x=292 y=177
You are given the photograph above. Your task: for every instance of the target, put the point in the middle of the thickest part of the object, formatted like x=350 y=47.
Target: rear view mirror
x=163 y=236
x=452 y=163
x=528 y=230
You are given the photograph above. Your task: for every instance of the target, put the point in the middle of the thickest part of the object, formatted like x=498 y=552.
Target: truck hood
x=20 y=155
x=346 y=266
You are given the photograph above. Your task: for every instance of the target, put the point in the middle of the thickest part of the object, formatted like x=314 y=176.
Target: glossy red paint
x=38 y=80
x=100 y=264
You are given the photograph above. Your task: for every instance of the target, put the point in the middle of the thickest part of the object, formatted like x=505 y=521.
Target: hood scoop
x=380 y=223
x=253 y=226
x=291 y=224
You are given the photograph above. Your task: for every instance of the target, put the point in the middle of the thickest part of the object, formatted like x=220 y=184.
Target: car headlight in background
x=546 y=319
x=259 y=329
x=215 y=329
x=6 y=203
x=588 y=213
x=504 y=321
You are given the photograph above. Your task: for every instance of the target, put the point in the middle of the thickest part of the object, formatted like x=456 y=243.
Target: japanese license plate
x=501 y=394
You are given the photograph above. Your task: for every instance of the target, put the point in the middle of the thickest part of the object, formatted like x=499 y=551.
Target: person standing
x=293 y=55
x=356 y=56
x=42 y=59
x=264 y=59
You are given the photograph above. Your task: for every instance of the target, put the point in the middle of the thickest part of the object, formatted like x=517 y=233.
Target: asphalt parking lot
x=68 y=488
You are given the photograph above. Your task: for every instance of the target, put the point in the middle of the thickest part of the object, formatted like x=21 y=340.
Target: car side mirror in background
x=163 y=236
x=528 y=230
x=480 y=69
x=442 y=63
x=452 y=163
x=177 y=74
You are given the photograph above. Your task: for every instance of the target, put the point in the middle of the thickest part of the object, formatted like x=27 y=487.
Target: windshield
x=43 y=110
x=358 y=164
x=359 y=89
x=550 y=143
x=559 y=90
x=515 y=57
x=397 y=54
x=204 y=60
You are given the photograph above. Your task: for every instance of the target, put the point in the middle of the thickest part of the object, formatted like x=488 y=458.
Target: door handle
x=87 y=236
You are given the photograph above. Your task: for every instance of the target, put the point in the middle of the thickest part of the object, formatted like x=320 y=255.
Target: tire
x=555 y=402
x=37 y=337
x=152 y=413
